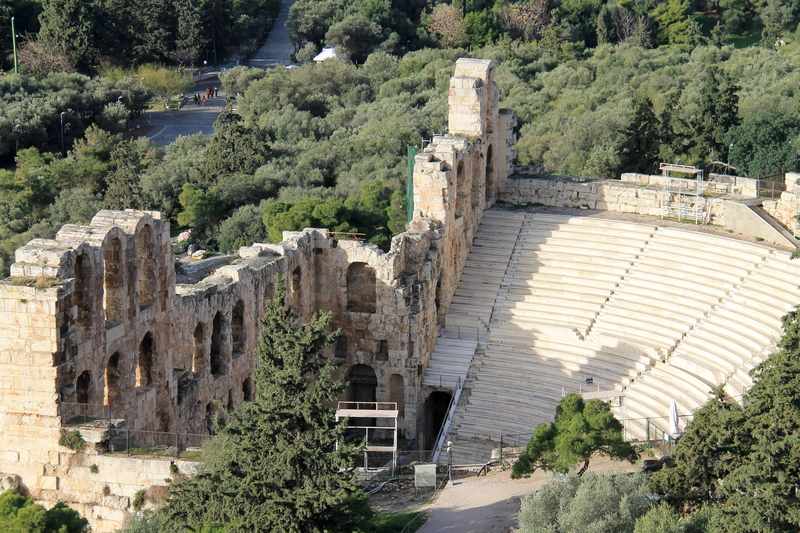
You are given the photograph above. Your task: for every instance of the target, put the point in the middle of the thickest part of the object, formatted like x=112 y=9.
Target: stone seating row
x=507 y=366
x=719 y=311
x=471 y=308
x=520 y=342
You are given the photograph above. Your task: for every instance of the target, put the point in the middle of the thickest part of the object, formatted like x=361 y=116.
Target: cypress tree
x=281 y=463
x=641 y=139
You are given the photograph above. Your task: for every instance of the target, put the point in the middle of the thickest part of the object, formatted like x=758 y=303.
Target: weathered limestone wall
x=92 y=322
x=787 y=206
x=627 y=196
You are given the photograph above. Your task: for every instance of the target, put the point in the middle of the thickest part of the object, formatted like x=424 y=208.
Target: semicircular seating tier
x=658 y=314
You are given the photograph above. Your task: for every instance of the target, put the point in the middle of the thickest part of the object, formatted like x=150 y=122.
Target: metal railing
x=112 y=422
x=451 y=411
x=770 y=189
x=156 y=443
x=74 y=413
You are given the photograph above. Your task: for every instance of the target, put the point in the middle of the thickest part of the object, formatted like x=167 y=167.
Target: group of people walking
x=202 y=99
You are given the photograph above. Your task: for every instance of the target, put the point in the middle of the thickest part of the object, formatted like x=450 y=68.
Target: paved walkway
x=188 y=120
x=278 y=48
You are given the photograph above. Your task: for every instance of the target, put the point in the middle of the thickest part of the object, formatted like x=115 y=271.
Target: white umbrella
x=673 y=420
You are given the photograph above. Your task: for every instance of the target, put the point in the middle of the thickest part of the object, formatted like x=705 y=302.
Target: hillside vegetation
x=325 y=145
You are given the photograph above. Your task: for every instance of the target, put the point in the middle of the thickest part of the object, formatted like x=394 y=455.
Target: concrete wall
x=93 y=323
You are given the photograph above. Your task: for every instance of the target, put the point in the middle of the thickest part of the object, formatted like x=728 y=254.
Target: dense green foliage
x=281 y=463
x=31 y=106
x=327 y=143
x=742 y=462
x=565 y=26
x=18 y=514
x=97 y=33
x=580 y=429
x=599 y=503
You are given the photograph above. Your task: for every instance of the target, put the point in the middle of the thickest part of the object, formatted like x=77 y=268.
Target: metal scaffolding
x=682 y=198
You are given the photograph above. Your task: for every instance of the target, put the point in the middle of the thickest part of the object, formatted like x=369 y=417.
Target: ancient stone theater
x=472 y=325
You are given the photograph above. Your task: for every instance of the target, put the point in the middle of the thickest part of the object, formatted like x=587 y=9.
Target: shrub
x=72 y=440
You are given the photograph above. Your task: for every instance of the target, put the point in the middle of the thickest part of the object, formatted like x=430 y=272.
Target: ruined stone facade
x=93 y=325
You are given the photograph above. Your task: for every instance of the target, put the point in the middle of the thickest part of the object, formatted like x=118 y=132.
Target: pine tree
x=702 y=455
x=745 y=462
x=578 y=431
x=281 y=463
x=762 y=485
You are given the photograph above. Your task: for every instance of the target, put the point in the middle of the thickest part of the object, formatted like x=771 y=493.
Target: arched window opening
x=82 y=295
x=361 y=288
x=112 y=380
x=113 y=283
x=144 y=370
x=145 y=251
x=340 y=350
x=82 y=385
x=238 y=334
x=459 y=188
x=269 y=292
x=397 y=393
x=297 y=280
x=199 y=358
x=477 y=178
x=248 y=391
x=437 y=298
x=217 y=365
x=490 y=192
x=383 y=351
x=210 y=419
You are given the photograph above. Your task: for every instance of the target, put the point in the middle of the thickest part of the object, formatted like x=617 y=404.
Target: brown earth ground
x=474 y=504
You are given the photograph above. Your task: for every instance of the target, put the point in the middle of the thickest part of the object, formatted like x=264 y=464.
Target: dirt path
x=490 y=504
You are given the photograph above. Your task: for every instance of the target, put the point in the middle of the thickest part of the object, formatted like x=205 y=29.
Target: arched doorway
x=361 y=387
x=361 y=384
x=435 y=412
